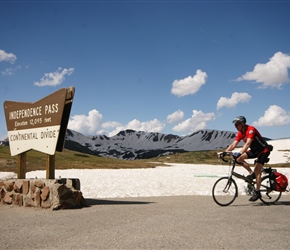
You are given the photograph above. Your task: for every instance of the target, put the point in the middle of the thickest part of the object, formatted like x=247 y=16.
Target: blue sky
x=162 y=66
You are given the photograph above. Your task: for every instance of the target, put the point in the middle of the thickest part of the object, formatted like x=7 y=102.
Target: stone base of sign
x=54 y=194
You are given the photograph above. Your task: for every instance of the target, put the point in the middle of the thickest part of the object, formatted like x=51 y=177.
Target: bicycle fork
x=229 y=183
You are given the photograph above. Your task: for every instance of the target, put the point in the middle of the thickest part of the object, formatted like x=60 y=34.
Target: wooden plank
x=50 y=166
x=21 y=166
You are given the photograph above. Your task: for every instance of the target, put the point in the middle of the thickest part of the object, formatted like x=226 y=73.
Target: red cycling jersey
x=258 y=144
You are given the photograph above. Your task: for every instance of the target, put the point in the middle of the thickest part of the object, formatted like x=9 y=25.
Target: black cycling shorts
x=261 y=157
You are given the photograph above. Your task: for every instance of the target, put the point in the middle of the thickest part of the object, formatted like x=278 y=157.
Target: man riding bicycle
x=259 y=149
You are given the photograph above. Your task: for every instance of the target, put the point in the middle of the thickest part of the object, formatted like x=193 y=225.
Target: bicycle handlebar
x=226 y=153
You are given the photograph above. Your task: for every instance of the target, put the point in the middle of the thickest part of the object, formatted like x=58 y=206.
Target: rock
x=2 y=193
x=45 y=193
x=46 y=203
x=8 y=199
x=37 y=198
x=27 y=202
x=25 y=186
x=18 y=200
x=8 y=185
x=17 y=187
x=32 y=188
x=39 y=183
x=79 y=199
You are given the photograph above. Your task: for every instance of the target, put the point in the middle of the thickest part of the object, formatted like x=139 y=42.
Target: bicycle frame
x=232 y=172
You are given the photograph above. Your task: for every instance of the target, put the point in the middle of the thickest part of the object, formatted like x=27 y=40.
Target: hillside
x=131 y=145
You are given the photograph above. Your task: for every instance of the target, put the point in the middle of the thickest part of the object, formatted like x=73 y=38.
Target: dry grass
x=67 y=160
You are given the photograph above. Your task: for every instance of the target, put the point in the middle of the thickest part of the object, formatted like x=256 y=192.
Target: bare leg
x=257 y=170
x=245 y=164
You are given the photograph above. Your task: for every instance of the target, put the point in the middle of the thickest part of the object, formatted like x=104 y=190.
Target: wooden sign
x=40 y=125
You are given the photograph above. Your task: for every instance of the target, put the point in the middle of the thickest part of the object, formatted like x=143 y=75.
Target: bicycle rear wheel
x=268 y=195
x=224 y=191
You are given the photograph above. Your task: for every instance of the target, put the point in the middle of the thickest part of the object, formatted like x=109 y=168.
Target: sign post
x=21 y=166
x=40 y=126
x=50 y=166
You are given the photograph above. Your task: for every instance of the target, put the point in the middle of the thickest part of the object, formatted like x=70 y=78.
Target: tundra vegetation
x=74 y=160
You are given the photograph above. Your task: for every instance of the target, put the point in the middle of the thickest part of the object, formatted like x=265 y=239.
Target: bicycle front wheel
x=268 y=195
x=224 y=191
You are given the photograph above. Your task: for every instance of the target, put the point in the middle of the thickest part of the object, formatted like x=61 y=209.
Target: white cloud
x=8 y=57
x=175 y=117
x=274 y=116
x=233 y=100
x=189 y=85
x=87 y=125
x=10 y=71
x=54 y=78
x=197 y=121
x=148 y=126
x=113 y=124
x=272 y=74
x=92 y=124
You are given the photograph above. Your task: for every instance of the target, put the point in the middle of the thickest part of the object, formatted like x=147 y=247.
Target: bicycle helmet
x=240 y=119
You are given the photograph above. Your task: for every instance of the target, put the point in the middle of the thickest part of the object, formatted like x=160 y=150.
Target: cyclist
x=255 y=147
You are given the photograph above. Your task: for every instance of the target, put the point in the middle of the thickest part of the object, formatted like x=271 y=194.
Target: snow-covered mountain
x=130 y=144
x=4 y=142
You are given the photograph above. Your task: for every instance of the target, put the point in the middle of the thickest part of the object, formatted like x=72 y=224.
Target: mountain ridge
x=130 y=144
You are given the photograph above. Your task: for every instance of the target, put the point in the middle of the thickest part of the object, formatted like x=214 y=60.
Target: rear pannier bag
x=279 y=182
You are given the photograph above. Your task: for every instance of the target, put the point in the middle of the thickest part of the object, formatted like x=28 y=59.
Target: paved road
x=183 y=222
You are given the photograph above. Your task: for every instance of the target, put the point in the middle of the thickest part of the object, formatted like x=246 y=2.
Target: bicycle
x=225 y=189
